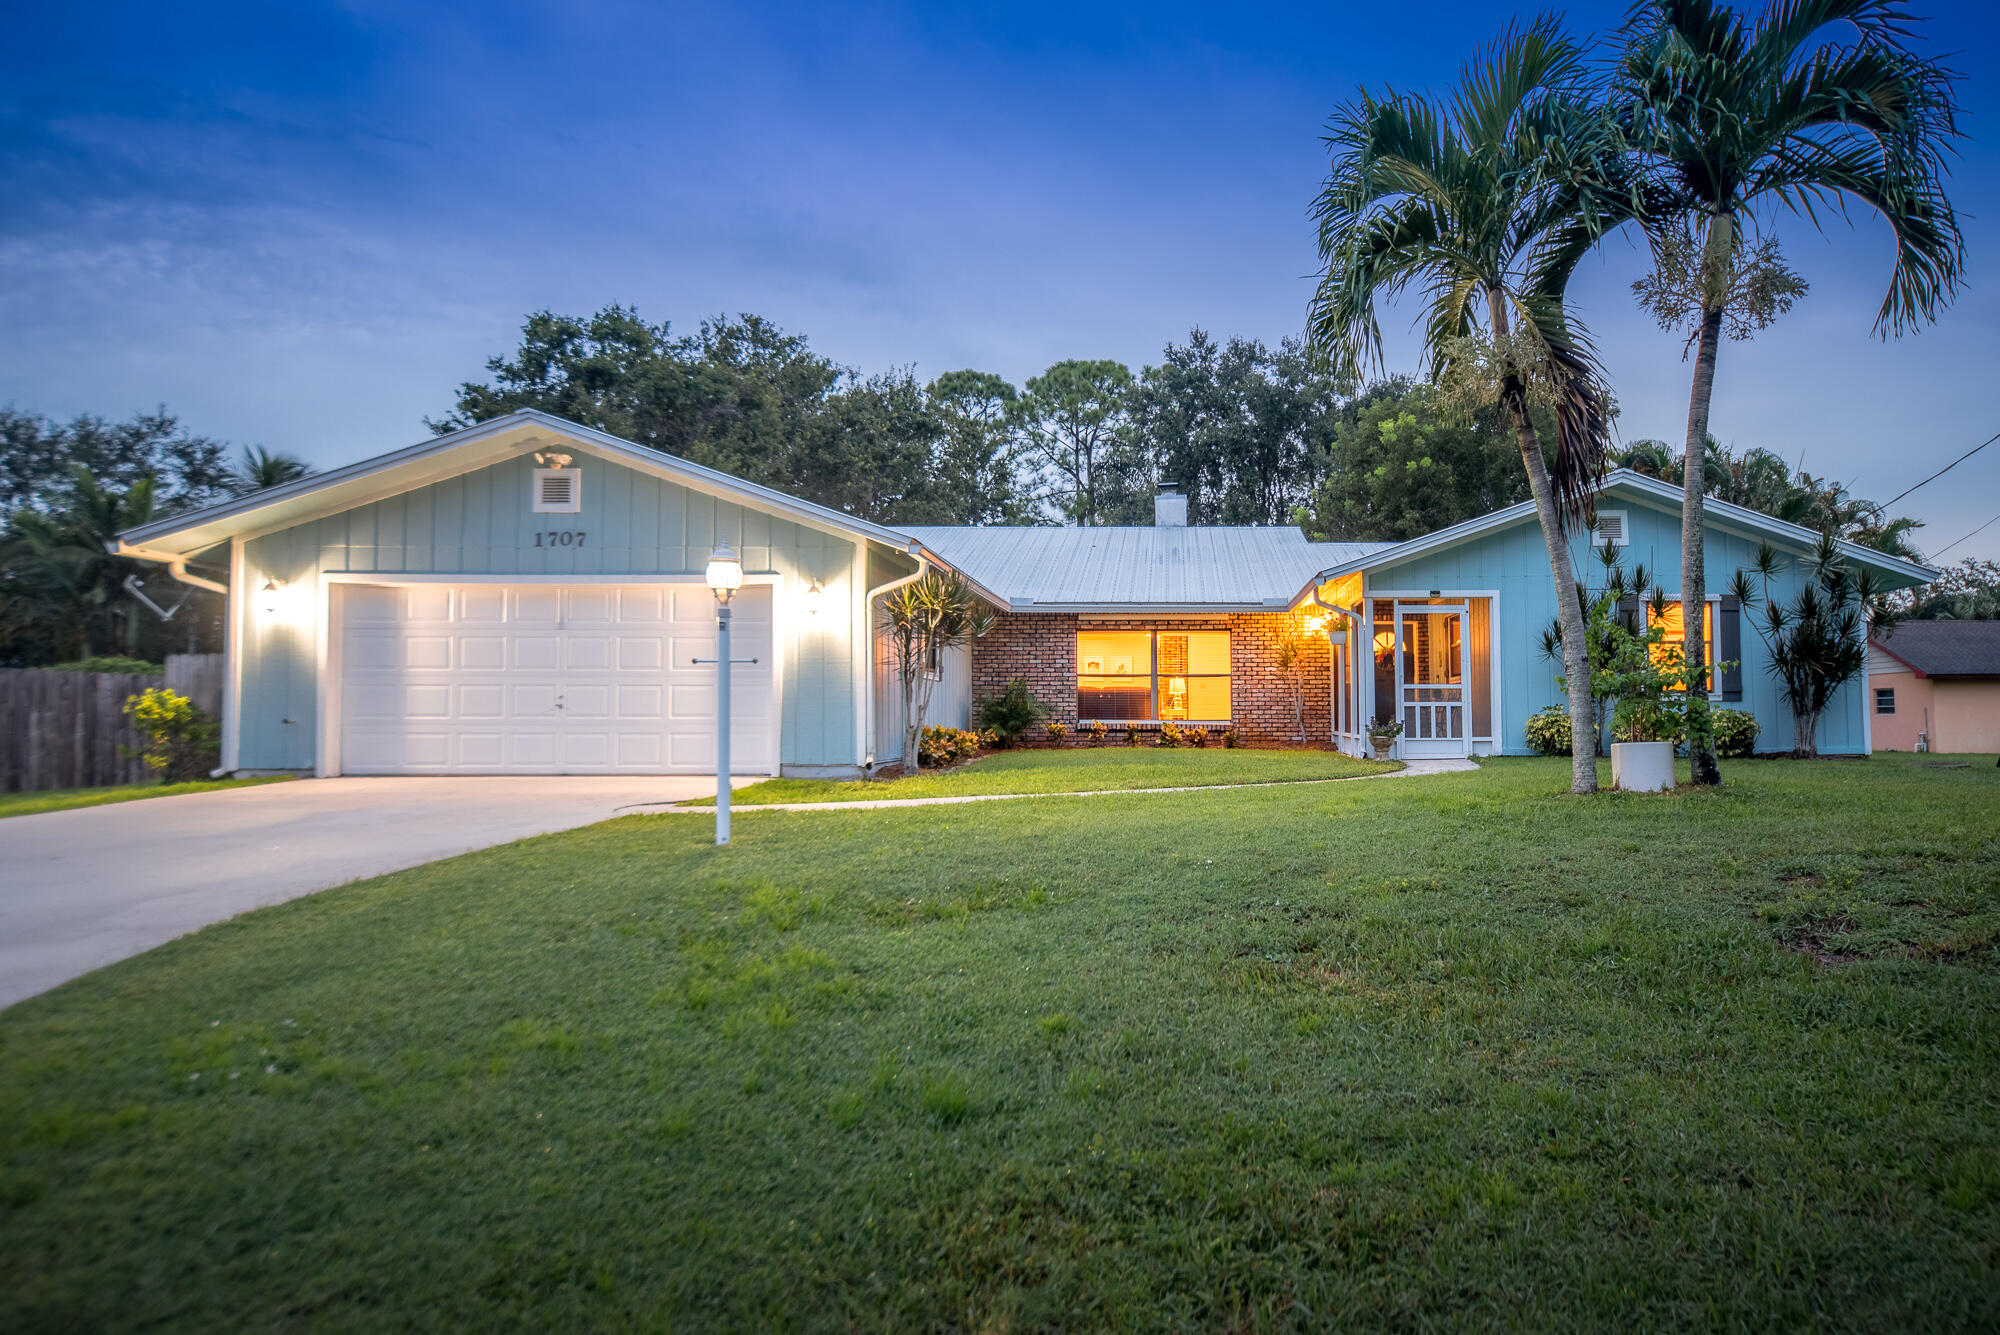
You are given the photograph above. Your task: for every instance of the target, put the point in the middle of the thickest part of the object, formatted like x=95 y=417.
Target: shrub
x=133 y=666
x=1735 y=731
x=1170 y=735
x=179 y=740
x=1230 y=740
x=1195 y=736
x=1057 y=731
x=1131 y=734
x=1548 y=731
x=947 y=746
x=1012 y=712
x=1097 y=731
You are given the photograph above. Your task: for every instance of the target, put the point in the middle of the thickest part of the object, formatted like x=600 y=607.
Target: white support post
x=722 y=725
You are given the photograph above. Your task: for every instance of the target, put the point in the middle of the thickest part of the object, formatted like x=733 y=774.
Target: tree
x=262 y=469
x=62 y=583
x=1489 y=200
x=38 y=456
x=1818 y=103
x=1236 y=426
x=1968 y=591
x=921 y=621
x=1816 y=643
x=979 y=455
x=743 y=396
x=1073 y=417
x=1395 y=467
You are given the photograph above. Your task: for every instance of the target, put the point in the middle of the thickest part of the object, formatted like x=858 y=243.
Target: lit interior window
x=1143 y=675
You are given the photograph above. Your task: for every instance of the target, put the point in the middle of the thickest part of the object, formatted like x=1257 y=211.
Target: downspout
x=868 y=614
x=177 y=567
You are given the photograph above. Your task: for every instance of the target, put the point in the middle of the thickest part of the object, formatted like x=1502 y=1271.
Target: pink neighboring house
x=1936 y=678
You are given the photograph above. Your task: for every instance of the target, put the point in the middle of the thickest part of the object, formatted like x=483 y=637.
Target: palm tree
x=1818 y=103
x=262 y=469
x=922 y=621
x=61 y=571
x=1487 y=200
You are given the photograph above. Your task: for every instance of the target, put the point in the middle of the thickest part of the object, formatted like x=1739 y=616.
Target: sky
x=303 y=225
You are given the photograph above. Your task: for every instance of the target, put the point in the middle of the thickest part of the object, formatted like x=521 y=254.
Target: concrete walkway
x=1412 y=769
x=82 y=888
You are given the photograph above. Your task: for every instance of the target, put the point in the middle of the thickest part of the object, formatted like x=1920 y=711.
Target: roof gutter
x=176 y=565
x=868 y=606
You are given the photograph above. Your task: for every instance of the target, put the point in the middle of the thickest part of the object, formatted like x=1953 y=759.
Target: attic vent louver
x=557 y=491
x=1612 y=529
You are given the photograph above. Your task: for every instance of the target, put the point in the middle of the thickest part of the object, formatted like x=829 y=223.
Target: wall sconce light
x=814 y=595
x=269 y=598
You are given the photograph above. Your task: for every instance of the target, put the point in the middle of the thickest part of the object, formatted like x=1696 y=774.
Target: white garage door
x=540 y=679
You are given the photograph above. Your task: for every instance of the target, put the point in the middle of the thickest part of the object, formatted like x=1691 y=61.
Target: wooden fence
x=66 y=729
x=199 y=678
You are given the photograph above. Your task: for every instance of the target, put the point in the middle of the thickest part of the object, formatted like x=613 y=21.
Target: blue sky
x=303 y=225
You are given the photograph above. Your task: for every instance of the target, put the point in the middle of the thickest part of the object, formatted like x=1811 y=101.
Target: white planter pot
x=1383 y=750
x=1642 y=767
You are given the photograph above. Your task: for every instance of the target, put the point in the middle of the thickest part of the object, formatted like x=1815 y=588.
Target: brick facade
x=1041 y=647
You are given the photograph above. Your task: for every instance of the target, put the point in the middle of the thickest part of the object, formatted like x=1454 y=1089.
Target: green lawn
x=62 y=799
x=1450 y=1052
x=1075 y=770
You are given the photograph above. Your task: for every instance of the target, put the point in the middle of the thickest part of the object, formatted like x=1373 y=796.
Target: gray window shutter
x=1729 y=647
x=1631 y=614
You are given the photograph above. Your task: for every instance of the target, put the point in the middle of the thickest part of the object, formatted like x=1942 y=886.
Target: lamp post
x=725 y=577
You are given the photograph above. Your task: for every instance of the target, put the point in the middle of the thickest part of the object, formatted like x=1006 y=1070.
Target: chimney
x=1169 y=507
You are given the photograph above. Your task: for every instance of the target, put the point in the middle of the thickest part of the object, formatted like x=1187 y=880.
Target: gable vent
x=557 y=491
x=1612 y=529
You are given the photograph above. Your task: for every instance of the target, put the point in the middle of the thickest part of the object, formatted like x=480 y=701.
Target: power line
x=1975 y=533
x=1942 y=471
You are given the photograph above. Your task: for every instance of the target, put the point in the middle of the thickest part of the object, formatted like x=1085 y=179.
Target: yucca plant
x=1817 y=642
x=1486 y=201
x=921 y=621
x=1815 y=104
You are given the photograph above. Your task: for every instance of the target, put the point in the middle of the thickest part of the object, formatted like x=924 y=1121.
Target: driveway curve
x=83 y=888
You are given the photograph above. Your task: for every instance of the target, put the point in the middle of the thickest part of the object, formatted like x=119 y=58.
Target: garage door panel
x=482 y=700
x=428 y=602
x=536 y=653
x=482 y=605
x=642 y=606
x=547 y=679
x=533 y=605
x=427 y=651
x=586 y=652
x=482 y=651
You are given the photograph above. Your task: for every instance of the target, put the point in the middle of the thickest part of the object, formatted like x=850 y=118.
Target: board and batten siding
x=479 y=524
x=1514 y=562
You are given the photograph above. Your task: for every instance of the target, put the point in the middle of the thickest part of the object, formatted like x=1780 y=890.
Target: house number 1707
x=567 y=537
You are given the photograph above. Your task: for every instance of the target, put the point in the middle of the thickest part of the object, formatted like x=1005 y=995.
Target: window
x=1124 y=675
x=1885 y=699
x=556 y=491
x=1674 y=623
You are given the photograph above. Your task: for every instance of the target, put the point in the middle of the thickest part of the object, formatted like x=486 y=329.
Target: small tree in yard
x=1290 y=663
x=921 y=621
x=1818 y=641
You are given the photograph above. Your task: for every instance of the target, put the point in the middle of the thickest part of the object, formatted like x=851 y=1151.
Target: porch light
x=725 y=573
x=270 y=595
x=812 y=597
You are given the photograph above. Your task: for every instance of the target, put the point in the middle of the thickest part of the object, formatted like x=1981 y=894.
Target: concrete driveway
x=83 y=888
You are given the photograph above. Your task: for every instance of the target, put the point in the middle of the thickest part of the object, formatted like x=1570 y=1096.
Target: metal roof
x=1946 y=648
x=1139 y=569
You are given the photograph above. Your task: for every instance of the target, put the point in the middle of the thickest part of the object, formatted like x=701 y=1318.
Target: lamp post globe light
x=725 y=577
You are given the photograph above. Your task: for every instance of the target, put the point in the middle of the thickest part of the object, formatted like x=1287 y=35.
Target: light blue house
x=526 y=596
